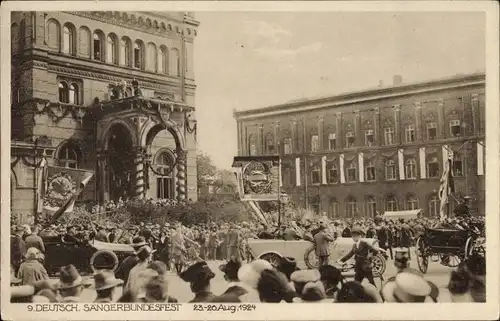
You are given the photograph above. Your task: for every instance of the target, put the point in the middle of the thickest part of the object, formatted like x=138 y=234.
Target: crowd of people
x=186 y=250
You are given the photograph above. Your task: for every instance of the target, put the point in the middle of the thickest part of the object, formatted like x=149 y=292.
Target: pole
x=35 y=171
x=279 y=193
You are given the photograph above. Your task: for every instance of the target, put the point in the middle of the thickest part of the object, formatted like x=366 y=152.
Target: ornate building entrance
x=126 y=128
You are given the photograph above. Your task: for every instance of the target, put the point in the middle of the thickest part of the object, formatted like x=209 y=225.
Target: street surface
x=179 y=289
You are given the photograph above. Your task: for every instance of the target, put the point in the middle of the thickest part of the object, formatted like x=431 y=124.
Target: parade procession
x=374 y=195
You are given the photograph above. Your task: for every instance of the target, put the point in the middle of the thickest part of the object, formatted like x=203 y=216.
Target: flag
x=41 y=186
x=447 y=185
x=62 y=188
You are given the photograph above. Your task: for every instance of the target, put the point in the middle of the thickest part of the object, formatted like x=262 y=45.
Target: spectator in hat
x=17 y=247
x=322 y=241
x=32 y=270
x=363 y=253
x=468 y=283
x=112 y=237
x=70 y=284
x=308 y=285
x=144 y=254
x=462 y=209
x=101 y=234
x=435 y=293
x=105 y=285
x=237 y=291
x=355 y=292
x=22 y=294
x=130 y=261
x=332 y=279
x=407 y=287
x=33 y=240
x=287 y=266
x=199 y=276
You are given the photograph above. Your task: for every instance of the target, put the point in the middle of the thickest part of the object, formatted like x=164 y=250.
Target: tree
x=206 y=170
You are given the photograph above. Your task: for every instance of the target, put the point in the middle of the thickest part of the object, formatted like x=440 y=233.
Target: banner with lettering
x=258 y=177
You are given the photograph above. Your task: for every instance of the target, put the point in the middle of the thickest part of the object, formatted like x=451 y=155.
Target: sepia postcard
x=238 y=160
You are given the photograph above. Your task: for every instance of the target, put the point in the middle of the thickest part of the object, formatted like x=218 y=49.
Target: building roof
x=374 y=94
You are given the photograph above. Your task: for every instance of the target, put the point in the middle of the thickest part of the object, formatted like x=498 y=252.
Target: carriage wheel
x=272 y=258
x=422 y=258
x=451 y=261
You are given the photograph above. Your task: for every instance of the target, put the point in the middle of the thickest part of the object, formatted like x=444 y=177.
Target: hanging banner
x=259 y=177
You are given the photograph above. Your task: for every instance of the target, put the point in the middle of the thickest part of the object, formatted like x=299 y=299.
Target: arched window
x=287 y=146
x=411 y=202
x=125 y=49
x=433 y=167
x=351 y=172
x=98 y=45
x=111 y=52
x=370 y=171
x=163 y=60
x=333 y=210
x=165 y=178
x=68 y=39
x=152 y=57
x=73 y=94
x=175 y=64
x=434 y=206
x=138 y=55
x=391 y=203
x=315 y=174
x=390 y=170
x=333 y=173
x=53 y=35
x=351 y=207
x=389 y=135
x=84 y=42
x=411 y=169
x=63 y=92
x=371 y=206
x=269 y=144
x=68 y=156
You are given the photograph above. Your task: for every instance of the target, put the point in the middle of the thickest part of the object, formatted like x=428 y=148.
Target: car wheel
x=379 y=264
x=310 y=258
x=104 y=259
x=272 y=258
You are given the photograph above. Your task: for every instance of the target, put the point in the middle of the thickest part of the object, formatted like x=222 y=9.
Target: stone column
x=139 y=172
x=321 y=124
x=397 y=124
x=339 y=137
x=276 y=138
x=475 y=113
x=441 y=121
x=418 y=121
x=357 y=128
x=376 y=126
x=181 y=175
x=294 y=137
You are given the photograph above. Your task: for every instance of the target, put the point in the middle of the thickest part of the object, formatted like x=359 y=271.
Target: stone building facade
x=377 y=150
x=113 y=92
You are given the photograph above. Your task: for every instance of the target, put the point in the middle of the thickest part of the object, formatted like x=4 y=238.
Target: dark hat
x=287 y=266
x=356 y=231
x=138 y=241
x=273 y=286
x=105 y=279
x=144 y=252
x=230 y=269
x=330 y=274
x=197 y=271
x=69 y=277
x=18 y=229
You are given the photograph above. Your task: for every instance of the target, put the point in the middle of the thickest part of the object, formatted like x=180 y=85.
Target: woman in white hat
x=32 y=270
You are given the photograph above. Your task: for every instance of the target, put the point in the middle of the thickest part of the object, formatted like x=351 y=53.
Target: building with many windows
x=108 y=91
x=376 y=150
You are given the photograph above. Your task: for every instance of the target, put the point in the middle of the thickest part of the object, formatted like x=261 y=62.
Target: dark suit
x=127 y=264
x=322 y=240
x=203 y=297
x=362 y=253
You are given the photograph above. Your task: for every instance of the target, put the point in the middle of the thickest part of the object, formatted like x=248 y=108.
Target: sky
x=246 y=60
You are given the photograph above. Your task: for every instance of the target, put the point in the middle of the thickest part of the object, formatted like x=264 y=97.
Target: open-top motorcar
x=303 y=251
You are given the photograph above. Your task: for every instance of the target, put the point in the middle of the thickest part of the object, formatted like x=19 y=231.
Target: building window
x=332 y=141
x=84 y=42
x=138 y=55
x=455 y=129
x=163 y=60
x=152 y=57
x=175 y=63
x=411 y=202
x=269 y=144
x=53 y=35
x=389 y=135
x=431 y=131
x=370 y=171
x=63 y=92
x=252 y=146
x=350 y=139
x=111 y=50
x=391 y=203
x=369 y=137
x=68 y=40
x=165 y=177
x=433 y=168
x=125 y=49
x=316 y=175
x=314 y=143
x=287 y=146
x=287 y=177
x=410 y=133
x=98 y=47
x=411 y=169
x=333 y=174
x=73 y=94
x=458 y=167
x=371 y=206
x=351 y=207
x=351 y=172
x=390 y=170
x=333 y=210
x=68 y=156
x=434 y=206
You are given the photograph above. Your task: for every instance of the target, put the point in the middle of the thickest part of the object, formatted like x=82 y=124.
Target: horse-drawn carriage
x=450 y=246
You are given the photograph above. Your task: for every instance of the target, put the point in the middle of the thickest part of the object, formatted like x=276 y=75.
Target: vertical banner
x=401 y=164
x=444 y=154
x=41 y=180
x=361 y=164
x=297 y=171
x=323 y=170
x=281 y=175
x=341 y=165
x=260 y=177
x=421 y=160
x=480 y=158
x=447 y=185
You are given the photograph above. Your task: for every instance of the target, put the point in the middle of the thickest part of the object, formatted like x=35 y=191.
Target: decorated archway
x=121 y=167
